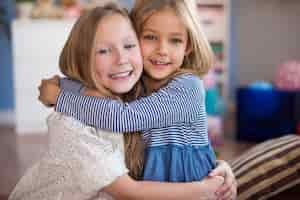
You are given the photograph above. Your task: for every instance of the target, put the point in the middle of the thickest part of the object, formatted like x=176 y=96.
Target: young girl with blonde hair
x=172 y=118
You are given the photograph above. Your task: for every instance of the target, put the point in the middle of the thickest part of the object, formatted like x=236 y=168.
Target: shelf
x=212 y=17
x=214 y=3
x=213 y=23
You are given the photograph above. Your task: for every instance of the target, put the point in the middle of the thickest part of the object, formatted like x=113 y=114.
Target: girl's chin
x=119 y=90
x=158 y=76
x=122 y=86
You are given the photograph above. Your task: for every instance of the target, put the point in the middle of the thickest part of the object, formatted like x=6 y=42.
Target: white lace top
x=79 y=163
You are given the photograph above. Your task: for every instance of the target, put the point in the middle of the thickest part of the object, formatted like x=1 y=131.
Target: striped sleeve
x=180 y=101
x=72 y=86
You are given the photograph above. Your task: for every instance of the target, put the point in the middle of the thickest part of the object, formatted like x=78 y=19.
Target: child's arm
x=182 y=100
x=221 y=184
x=126 y=188
x=50 y=89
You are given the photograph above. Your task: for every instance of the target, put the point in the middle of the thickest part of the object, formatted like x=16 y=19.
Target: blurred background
x=252 y=91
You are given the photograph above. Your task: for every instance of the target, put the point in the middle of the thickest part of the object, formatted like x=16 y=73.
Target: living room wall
x=267 y=35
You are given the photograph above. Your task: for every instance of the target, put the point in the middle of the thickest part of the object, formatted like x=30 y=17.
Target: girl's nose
x=162 y=48
x=121 y=57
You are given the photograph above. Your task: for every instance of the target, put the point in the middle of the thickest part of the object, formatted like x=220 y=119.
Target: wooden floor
x=17 y=153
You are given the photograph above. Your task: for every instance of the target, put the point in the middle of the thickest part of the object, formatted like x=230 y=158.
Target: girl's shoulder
x=187 y=80
x=66 y=126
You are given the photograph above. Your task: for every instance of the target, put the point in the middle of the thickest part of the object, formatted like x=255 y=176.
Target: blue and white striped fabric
x=173 y=122
x=72 y=86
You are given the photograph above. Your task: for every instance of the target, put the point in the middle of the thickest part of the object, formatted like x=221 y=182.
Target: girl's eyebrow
x=177 y=34
x=130 y=38
x=149 y=29
x=104 y=43
x=172 y=33
x=126 y=38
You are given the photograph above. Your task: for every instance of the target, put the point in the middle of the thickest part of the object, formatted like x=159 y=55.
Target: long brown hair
x=77 y=62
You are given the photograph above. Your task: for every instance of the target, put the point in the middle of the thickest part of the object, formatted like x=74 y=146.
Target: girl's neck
x=151 y=85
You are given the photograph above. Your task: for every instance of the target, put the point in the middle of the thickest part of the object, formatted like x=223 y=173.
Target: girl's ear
x=188 y=50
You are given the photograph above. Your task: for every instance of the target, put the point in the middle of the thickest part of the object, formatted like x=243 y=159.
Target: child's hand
x=228 y=191
x=49 y=90
x=209 y=186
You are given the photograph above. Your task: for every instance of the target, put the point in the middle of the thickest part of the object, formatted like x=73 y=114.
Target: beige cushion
x=268 y=168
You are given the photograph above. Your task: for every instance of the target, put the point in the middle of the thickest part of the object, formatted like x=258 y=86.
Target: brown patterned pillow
x=268 y=168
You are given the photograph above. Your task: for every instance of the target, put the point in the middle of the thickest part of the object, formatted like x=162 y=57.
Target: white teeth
x=121 y=75
x=160 y=63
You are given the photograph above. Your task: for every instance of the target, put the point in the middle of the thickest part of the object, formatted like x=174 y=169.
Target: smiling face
x=118 y=61
x=164 y=41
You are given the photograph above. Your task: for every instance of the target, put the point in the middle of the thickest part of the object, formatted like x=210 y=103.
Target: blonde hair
x=77 y=61
x=200 y=59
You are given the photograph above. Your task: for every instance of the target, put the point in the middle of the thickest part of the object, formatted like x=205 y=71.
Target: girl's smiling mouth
x=121 y=75
x=160 y=63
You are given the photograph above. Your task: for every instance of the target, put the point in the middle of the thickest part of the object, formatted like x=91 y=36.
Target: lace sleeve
x=79 y=163
x=95 y=157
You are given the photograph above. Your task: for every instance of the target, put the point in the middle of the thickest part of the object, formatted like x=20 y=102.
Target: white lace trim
x=80 y=161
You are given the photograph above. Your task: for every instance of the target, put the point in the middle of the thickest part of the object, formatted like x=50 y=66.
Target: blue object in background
x=264 y=113
x=7 y=14
x=261 y=85
x=214 y=102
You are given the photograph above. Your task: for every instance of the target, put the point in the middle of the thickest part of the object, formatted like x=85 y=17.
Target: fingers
x=43 y=98
x=209 y=186
x=44 y=101
x=55 y=79
x=218 y=171
x=224 y=193
x=228 y=191
x=228 y=195
x=221 y=169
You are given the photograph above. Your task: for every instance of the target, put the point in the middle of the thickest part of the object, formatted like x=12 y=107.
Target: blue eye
x=129 y=46
x=176 y=40
x=104 y=51
x=149 y=37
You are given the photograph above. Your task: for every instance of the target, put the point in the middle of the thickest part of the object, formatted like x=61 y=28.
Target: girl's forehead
x=113 y=20
x=165 y=20
x=115 y=27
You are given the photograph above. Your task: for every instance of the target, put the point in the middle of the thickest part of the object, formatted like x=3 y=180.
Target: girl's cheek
x=137 y=56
